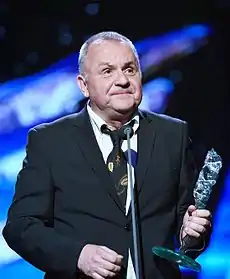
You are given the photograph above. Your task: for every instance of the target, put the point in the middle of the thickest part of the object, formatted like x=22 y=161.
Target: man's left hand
x=196 y=222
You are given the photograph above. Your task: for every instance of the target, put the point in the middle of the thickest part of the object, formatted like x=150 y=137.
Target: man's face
x=113 y=79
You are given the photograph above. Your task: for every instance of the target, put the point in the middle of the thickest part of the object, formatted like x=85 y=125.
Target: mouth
x=122 y=93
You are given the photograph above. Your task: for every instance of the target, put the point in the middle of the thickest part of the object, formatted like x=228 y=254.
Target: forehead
x=110 y=51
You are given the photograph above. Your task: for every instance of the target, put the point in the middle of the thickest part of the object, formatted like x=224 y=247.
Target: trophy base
x=177 y=257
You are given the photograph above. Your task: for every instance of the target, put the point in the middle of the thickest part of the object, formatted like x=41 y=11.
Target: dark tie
x=117 y=163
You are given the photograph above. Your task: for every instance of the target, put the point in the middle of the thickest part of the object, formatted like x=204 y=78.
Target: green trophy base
x=177 y=257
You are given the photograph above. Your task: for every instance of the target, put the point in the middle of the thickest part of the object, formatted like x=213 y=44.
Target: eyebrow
x=105 y=64
x=129 y=63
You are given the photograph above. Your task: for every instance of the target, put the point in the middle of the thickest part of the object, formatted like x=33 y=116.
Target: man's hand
x=99 y=262
x=196 y=222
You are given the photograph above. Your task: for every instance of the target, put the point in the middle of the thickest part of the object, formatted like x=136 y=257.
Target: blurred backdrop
x=184 y=53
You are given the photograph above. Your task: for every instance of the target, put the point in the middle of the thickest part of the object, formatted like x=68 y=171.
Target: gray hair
x=107 y=35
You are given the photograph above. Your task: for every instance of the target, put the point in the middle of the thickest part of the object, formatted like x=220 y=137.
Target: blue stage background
x=52 y=92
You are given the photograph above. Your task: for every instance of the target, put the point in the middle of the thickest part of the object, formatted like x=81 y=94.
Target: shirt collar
x=98 y=121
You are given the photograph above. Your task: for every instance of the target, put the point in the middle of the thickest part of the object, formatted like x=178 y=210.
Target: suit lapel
x=145 y=142
x=84 y=136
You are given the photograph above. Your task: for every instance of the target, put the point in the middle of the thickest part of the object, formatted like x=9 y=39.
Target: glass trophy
x=202 y=191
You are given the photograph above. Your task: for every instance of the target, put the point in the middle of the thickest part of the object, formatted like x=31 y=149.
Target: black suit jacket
x=65 y=198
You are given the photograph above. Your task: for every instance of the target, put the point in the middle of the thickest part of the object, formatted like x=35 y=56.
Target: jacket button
x=127 y=227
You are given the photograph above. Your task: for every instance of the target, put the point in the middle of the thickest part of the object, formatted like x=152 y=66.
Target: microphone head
x=125 y=131
x=122 y=132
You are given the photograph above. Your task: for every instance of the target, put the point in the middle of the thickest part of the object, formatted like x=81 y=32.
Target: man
x=67 y=217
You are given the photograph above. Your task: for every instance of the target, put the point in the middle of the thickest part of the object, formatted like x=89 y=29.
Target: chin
x=125 y=104
x=125 y=108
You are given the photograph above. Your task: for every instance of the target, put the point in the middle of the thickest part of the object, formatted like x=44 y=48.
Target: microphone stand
x=128 y=132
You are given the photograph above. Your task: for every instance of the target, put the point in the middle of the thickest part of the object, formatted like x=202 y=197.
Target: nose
x=122 y=80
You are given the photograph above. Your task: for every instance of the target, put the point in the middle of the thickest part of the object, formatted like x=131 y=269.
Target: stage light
x=65 y=36
x=92 y=8
x=65 y=39
x=64 y=28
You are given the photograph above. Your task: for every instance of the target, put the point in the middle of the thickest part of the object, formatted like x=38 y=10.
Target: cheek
x=105 y=88
x=99 y=93
x=102 y=86
x=138 y=91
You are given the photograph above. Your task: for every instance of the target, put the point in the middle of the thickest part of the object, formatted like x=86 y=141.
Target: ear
x=82 y=85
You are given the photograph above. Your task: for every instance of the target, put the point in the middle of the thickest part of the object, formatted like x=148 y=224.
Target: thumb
x=190 y=209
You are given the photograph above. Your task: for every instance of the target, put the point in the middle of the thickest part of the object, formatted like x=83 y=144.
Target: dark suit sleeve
x=188 y=178
x=29 y=229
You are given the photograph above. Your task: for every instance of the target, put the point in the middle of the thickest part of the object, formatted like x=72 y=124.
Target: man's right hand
x=99 y=262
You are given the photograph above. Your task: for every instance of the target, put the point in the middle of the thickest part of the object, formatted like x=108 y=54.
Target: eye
x=130 y=70
x=106 y=71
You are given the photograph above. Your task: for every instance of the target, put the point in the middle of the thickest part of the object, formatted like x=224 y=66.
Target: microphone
x=127 y=134
x=123 y=132
x=126 y=131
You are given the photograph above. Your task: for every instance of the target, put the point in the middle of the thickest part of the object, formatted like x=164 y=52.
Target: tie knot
x=117 y=135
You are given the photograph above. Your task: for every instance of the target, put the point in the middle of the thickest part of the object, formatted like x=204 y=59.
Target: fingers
x=191 y=209
x=96 y=276
x=108 y=250
x=111 y=267
x=110 y=255
x=99 y=262
x=191 y=232
x=196 y=226
x=195 y=230
x=196 y=221
x=107 y=265
x=103 y=273
x=203 y=213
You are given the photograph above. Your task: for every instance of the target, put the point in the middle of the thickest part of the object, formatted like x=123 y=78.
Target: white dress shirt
x=105 y=144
